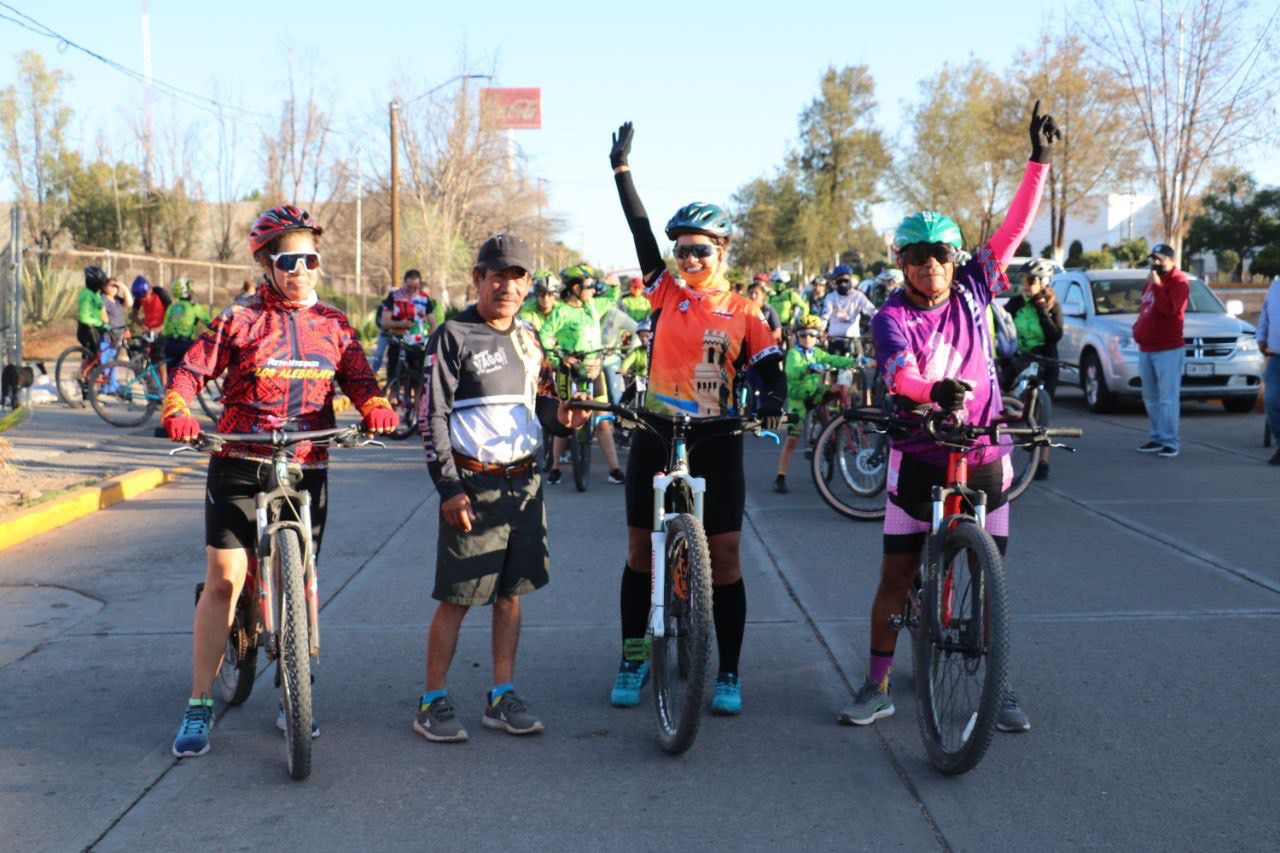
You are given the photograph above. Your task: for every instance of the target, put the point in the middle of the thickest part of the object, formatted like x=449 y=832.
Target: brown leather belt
x=515 y=469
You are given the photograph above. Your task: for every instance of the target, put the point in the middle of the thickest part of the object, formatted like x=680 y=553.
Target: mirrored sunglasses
x=288 y=261
x=918 y=254
x=695 y=250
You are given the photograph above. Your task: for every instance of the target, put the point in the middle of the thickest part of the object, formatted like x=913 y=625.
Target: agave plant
x=48 y=294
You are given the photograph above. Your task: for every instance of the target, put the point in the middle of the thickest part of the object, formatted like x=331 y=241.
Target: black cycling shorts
x=229 y=517
x=88 y=337
x=914 y=496
x=718 y=460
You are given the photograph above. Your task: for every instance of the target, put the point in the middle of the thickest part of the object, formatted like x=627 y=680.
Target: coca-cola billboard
x=510 y=109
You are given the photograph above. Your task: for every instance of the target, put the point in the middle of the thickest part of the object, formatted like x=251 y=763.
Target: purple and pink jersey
x=916 y=347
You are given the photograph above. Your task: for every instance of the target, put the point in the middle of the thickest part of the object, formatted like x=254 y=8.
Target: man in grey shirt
x=487 y=401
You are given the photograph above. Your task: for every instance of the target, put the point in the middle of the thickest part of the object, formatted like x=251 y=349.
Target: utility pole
x=146 y=91
x=395 y=192
x=360 y=229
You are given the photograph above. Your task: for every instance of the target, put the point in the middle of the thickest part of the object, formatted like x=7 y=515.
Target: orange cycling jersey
x=701 y=340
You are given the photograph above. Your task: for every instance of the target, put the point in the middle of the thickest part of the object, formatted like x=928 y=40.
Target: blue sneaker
x=193 y=734
x=280 y=724
x=632 y=676
x=728 y=699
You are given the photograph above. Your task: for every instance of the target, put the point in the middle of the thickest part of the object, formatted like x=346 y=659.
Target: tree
x=33 y=121
x=1236 y=219
x=766 y=213
x=1087 y=101
x=968 y=146
x=1267 y=261
x=1132 y=252
x=1074 y=252
x=102 y=204
x=1100 y=260
x=841 y=160
x=1199 y=75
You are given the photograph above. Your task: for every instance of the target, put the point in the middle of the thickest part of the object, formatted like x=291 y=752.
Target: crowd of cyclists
x=925 y=321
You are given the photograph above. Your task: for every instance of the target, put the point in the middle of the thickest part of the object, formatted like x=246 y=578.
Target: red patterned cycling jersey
x=280 y=361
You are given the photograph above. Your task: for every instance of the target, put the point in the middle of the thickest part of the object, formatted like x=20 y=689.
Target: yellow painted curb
x=41 y=519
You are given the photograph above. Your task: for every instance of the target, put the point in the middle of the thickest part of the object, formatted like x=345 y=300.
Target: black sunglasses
x=918 y=254
x=695 y=250
x=288 y=261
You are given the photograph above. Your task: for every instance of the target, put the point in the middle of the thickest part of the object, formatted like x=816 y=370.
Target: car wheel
x=1094 y=384
x=1239 y=405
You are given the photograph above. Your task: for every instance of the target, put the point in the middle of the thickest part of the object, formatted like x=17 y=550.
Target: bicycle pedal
x=896 y=623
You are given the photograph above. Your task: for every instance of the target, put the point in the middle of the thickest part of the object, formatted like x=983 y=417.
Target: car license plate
x=1194 y=369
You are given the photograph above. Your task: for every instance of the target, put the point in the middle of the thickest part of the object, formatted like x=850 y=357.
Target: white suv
x=1099 y=307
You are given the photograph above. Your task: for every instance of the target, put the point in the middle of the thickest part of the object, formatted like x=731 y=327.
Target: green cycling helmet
x=927 y=226
x=182 y=288
x=579 y=273
x=545 y=281
x=700 y=217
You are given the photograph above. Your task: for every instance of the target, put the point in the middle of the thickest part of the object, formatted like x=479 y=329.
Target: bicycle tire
x=240 y=660
x=682 y=658
x=580 y=454
x=295 y=653
x=407 y=407
x=843 y=453
x=956 y=732
x=67 y=373
x=1025 y=462
x=210 y=398
x=123 y=394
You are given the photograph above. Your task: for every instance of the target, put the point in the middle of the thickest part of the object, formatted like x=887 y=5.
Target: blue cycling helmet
x=841 y=271
x=700 y=217
x=140 y=287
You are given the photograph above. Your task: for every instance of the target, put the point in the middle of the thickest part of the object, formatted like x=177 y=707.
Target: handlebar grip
x=1064 y=432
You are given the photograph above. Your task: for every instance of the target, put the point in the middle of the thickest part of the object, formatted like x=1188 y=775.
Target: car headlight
x=1126 y=343
x=1247 y=343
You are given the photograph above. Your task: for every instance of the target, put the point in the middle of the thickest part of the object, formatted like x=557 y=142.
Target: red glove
x=381 y=420
x=181 y=428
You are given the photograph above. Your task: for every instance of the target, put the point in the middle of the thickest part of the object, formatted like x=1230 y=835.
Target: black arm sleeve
x=547 y=409
x=772 y=376
x=647 y=251
x=440 y=383
x=1051 y=323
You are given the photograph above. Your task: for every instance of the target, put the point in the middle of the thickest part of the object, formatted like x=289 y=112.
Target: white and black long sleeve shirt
x=489 y=395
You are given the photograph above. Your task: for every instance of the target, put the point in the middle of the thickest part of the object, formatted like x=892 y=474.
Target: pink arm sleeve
x=1022 y=212
x=905 y=379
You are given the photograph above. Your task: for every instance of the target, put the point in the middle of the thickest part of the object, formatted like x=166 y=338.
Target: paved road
x=1146 y=594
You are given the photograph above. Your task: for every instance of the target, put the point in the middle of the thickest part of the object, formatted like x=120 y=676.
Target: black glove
x=1043 y=131
x=949 y=393
x=621 y=145
x=771 y=413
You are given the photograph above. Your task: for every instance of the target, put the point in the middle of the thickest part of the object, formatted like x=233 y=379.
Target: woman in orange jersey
x=704 y=334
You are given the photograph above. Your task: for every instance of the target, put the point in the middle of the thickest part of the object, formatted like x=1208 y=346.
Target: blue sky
x=714 y=90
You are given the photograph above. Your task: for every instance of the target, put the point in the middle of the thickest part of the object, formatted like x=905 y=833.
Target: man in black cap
x=1158 y=333
x=489 y=397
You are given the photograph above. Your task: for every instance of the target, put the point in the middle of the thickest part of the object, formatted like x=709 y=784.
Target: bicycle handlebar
x=212 y=442
x=944 y=428
x=744 y=424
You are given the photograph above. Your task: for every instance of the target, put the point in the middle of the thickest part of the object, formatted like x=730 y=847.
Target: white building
x=1099 y=219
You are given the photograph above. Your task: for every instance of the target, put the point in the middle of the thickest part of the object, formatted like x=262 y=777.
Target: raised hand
x=1043 y=131
x=621 y=146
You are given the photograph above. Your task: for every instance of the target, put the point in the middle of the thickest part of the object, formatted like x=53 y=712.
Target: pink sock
x=880 y=666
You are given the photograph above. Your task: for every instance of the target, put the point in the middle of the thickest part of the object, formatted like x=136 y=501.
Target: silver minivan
x=1099 y=307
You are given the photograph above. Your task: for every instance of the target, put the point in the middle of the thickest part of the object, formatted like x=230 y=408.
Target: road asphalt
x=1144 y=592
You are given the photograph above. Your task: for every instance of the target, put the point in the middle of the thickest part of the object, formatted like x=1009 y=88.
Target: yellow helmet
x=811 y=322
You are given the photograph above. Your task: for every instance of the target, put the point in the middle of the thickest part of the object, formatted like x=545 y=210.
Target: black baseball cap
x=504 y=250
x=1163 y=249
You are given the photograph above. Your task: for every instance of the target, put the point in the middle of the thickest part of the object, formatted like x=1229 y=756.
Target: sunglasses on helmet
x=918 y=254
x=695 y=250
x=288 y=261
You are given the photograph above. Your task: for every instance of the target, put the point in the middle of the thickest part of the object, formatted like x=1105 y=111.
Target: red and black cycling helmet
x=278 y=221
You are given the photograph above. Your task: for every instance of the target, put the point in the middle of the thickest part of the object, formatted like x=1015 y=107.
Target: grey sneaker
x=872 y=702
x=509 y=712
x=1011 y=718
x=439 y=722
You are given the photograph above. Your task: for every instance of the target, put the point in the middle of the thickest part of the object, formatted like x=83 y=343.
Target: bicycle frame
x=267 y=505
x=679 y=465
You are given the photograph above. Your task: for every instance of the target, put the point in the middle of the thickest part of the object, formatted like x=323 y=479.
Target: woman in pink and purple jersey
x=932 y=342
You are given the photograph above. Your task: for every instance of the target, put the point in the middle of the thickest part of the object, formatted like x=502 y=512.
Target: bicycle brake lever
x=183 y=448
x=1065 y=447
x=768 y=433
x=372 y=441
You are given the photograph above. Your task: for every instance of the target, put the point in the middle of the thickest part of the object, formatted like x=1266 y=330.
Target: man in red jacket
x=1158 y=333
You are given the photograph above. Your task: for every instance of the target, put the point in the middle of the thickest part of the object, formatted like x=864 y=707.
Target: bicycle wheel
x=408 y=396
x=295 y=652
x=210 y=398
x=682 y=658
x=123 y=393
x=240 y=660
x=69 y=375
x=1025 y=461
x=580 y=453
x=962 y=649
x=850 y=468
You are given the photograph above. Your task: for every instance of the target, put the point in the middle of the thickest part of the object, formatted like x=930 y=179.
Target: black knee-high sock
x=634 y=604
x=729 y=604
